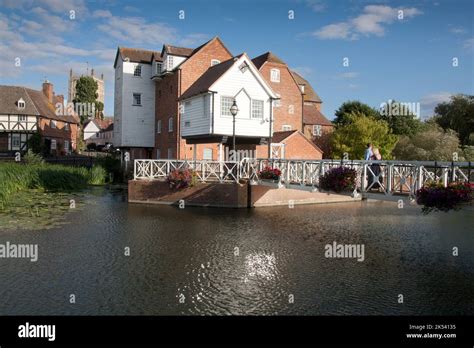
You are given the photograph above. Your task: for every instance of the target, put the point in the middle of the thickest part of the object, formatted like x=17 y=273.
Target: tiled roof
x=179 y=51
x=36 y=104
x=311 y=115
x=266 y=57
x=278 y=137
x=138 y=55
x=309 y=94
x=207 y=79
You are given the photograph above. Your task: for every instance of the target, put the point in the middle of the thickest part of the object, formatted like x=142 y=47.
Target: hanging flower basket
x=435 y=197
x=338 y=179
x=270 y=176
x=179 y=179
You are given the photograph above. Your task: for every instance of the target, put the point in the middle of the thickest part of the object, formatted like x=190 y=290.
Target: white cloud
x=428 y=102
x=101 y=14
x=371 y=21
x=469 y=44
x=303 y=70
x=347 y=75
x=193 y=40
x=457 y=30
x=53 y=22
x=56 y=6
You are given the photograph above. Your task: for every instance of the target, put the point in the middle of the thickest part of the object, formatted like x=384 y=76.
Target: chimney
x=48 y=90
x=60 y=99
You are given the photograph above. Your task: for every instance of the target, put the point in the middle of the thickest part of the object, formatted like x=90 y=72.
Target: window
x=53 y=124
x=169 y=62
x=22 y=118
x=170 y=124
x=16 y=140
x=66 y=126
x=277 y=102
x=226 y=103
x=257 y=108
x=243 y=67
x=158 y=153
x=159 y=68
x=207 y=154
x=137 y=71
x=158 y=127
x=317 y=130
x=53 y=144
x=66 y=146
x=137 y=99
x=170 y=153
x=302 y=88
x=286 y=127
x=21 y=104
x=215 y=62
x=187 y=123
x=275 y=75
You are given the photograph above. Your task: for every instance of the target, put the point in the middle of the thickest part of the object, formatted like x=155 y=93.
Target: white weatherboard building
x=134 y=101
x=206 y=104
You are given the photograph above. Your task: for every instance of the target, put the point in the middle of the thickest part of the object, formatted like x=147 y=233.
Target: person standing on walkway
x=368 y=152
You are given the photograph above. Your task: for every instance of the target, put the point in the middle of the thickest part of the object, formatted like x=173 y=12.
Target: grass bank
x=16 y=177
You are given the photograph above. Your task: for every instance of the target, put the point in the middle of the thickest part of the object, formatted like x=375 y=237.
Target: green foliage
x=430 y=144
x=458 y=114
x=353 y=107
x=33 y=158
x=99 y=110
x=35 y=144
x=400 y=119
x=15 y=177
x=86 y=92
x=112 y=166
x=360 y=130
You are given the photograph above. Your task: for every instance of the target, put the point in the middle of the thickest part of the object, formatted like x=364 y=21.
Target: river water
x=265 y=261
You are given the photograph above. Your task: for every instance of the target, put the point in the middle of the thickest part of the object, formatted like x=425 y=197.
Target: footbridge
x=403 y=177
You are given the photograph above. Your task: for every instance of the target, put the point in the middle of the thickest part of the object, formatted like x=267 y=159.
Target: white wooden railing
x=393 y=176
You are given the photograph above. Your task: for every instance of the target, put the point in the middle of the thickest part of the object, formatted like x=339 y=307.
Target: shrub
x=179 y=179
x=97 y=175
x=434 y=196
x=33 y=158
x=338 y=179
x=269 y=173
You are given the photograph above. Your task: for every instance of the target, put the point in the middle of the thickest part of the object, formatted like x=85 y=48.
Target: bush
x=111 y=164
x=98 y=175
x=434 y=196
x=338 y=179
x=269 y=173
x=179 y=179
x=33 y=158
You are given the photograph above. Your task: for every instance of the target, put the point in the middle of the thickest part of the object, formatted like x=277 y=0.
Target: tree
x=432 y=143
x=400 y=118
x=353 y=107
x=86 y=92
x=99 y=108
x=353 y=137
x=457 y=114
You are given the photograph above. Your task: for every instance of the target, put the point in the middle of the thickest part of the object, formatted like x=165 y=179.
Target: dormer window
x=21 y=104
x=275 y=75
x=215 y=62
x=243 y=67
x=137 y=71
x=302 y=88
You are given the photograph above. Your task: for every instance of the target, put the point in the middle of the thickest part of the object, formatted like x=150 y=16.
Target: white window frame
x=286 y=127
x=277 y=102
x=159 y=68
x=22 y=118
x=257 y=106
x=66 y=146
x=55 y=146
x=205 y=151
x=66 y=126
x=317 y=130
x=215 y=62
x=225 y=111
x=137 y=70
x=302 y=88
x=243 y=67
x=170 y=125
x=16 y=136
x=133 y=99
x=169 y=62
x=53 y=124
x=158 y=127
x=21 y=104
x=275 y=75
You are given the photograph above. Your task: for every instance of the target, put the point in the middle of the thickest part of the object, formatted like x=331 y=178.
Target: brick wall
x=290 y=94
x=323 y=141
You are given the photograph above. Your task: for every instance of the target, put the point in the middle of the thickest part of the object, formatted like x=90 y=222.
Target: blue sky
x=408 y=59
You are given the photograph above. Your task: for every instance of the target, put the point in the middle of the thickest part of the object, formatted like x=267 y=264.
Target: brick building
x=24 y=112
x=175 y=104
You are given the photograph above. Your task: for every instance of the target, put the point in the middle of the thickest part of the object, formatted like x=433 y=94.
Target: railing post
x=363 y=184
x=389 y=178
x=420 y=177
x=445 y=177
x=135 y=170
x=151 y=169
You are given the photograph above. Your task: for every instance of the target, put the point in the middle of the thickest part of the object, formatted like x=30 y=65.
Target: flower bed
x=181 y=178
x=434 y=196
x=338 y=179
x=270 y=173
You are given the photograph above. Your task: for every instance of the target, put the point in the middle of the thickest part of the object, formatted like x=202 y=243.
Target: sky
x=413 y=51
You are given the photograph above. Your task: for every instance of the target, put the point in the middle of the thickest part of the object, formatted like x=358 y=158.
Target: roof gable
x=309 y=94
x=266 y=57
